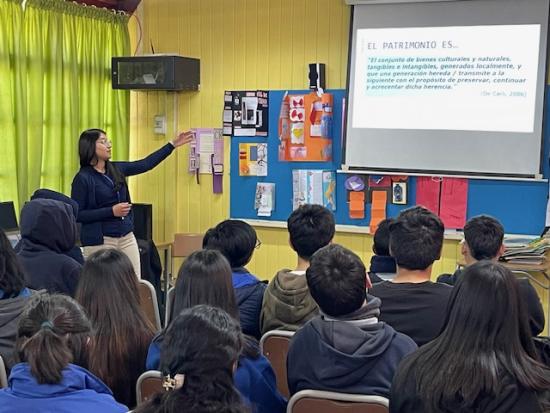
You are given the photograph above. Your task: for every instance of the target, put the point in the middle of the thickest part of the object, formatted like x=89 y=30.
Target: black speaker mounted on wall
x=317 y=76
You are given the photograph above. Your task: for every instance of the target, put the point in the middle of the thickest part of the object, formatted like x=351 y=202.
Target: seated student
x=411 y=303
x=52 y=340
x=48 y=232
x=200 y=350
x=483 y=361
x=13 y=298
x=483 y=240
x=109 y=292
x=287 y=302
x=205 y=278
x=381 y=263
x=345 y=349
x=236 y=240
x=75 y=252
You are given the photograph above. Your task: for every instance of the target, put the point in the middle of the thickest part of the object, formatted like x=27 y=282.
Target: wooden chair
x=149 y=303
x=307 y=401
x=169 y=305
x=274 y=346
x=3 y=374
x=148 y=385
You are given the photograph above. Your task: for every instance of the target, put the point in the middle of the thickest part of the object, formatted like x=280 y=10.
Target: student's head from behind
x=109 y=291
x=381 y=245
x=416 y=238
x=205 y=278
x=93 y=145
x=235 y=239
x=12 y=278
x=337 y=280
x=488 y=331
x=198 y=356
x=483 y=239
x=53 y=331
x=200 y=340
x=310 y=227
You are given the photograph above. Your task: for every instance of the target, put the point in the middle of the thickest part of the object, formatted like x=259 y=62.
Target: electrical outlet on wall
x=160 y=125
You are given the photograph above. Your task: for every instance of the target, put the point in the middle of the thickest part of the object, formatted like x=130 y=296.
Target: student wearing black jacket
x=483 y=240
x=484 y=361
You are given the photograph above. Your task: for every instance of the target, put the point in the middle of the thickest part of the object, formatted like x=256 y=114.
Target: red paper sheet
x=427 y=192
x=454 y=199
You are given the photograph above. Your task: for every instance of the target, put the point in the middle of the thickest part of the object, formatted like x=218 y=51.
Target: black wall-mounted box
x=156 y=72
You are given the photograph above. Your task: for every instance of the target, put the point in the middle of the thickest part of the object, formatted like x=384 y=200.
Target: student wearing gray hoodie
x=346 y=348
x=13 y=298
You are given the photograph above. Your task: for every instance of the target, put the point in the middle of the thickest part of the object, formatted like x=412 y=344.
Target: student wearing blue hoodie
x=237 y=240
x=51 y=342
x=344 y=349
x=205 y=278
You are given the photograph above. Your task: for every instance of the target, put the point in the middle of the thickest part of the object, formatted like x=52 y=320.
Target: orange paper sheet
x=357 y=205
x=378 y=209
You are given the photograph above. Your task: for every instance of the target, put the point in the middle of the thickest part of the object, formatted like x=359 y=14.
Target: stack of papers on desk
x=530 y=253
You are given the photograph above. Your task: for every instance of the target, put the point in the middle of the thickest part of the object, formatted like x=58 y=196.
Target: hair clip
x=47 y=325
x=172 y=383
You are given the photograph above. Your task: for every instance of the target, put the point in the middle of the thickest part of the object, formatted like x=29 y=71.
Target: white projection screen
x=451 y=87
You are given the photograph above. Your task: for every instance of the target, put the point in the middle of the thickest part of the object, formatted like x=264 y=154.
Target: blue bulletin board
x=520 y=206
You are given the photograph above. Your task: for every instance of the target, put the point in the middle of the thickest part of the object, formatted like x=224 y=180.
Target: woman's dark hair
x=109 y=292
x=12 y=278
x=86 y=152
x=487 y=331
x=202 y=344
x=53 y=332
x=205 y=278
x=235 y=239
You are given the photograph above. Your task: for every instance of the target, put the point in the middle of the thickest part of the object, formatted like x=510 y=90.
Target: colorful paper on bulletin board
x=378 y=209
x=427 y=192
x=253 y=159
x=314 y=187
x=454 y=201
x=357 y=205
x=264 y=201
x=206 y=150
x=305 y=128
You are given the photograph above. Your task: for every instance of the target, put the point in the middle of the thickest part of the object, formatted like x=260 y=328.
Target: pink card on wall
x=454 y=200
x=427 y=192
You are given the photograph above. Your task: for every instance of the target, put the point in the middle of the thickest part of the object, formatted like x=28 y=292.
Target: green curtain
x=12 y=102
x=66 y=88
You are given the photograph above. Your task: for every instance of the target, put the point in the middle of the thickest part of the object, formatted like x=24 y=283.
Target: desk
x=527 y=269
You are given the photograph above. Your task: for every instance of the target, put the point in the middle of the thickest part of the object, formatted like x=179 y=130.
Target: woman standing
x=101 y=191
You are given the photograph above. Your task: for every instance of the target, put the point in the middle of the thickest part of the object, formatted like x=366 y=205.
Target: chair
x=149 y=303
x=148 y=385
x=169 y=305
x=3 y=374
x=307 y=401
x=274 y=346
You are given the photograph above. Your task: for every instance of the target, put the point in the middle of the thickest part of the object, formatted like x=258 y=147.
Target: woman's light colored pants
x=127 y=244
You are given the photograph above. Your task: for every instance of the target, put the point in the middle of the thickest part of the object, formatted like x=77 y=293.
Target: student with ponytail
x=101 y=191
x=200 y=351
x=52 y=340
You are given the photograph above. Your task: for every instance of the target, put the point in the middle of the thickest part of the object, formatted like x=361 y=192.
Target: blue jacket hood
x=79 y=391
x=47 y=224
x=56 y=196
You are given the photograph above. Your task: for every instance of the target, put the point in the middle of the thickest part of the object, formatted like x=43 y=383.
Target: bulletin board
x=519 y=205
